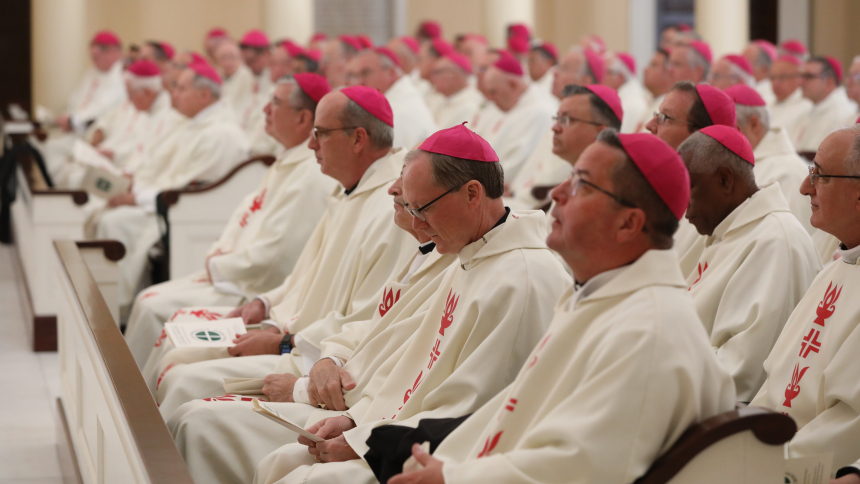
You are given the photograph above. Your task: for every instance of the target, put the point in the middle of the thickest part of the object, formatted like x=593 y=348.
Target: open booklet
x=814 y=469
x=263 y=409
x=205 y=334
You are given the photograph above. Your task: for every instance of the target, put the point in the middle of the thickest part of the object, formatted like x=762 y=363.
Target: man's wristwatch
x=285 y=345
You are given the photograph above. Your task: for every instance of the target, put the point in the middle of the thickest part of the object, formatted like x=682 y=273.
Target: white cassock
x=764 y=88
x=546 y=80
x=130 y=129
x=517 y=132
x=752 y=272
x=823 y=119
x=207 y=148
x=486 y=118
x=424 y=86
x=97 y=93
x=413 y=121
x=260 y=246
x=454 y=110
x=488 y=314
x=812 y=370
x=354 y=250
x=591 y=402
x=790 y=112
x=826 y=245
x=165 y=129
x=238 y=439
x=653 y=107
x=542 y=169
x=688 y=244
x=237 y=89
x=776 y=161
x=634 y=102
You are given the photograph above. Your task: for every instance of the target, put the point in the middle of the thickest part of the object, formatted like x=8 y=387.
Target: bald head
x=572 y=69
x=228 y=57
x=504 y=89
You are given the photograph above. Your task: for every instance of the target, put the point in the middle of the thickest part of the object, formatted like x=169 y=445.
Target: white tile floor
x=29 y=386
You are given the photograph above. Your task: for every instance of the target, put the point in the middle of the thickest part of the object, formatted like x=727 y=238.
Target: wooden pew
x=115 y=432
x=198 y=215
x=743 y=446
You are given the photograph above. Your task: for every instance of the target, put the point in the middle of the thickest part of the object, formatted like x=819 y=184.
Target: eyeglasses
x=576 y=182
x=662 y=118
x=808 y=76
x=417 y=212
x=564 y=121
x=784 y=77
x=324 y=131
x=813 y=176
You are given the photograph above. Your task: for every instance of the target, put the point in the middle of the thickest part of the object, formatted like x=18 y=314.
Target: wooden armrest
x=114 y=250
x=170 y=197
x=542 y=192
x=80 y=197
x=768 y=427
x=807 y=155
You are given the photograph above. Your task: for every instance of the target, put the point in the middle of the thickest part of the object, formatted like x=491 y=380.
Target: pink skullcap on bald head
x=703 y=49
x=441 y=46
x=508 y=64
x=319 y=36
x=767 y=47
x=662 y=167
x=144 y=68
x=741 y=62
x=794 y=46
x=431 y=29
x=350 y=41
x=628 y=61
x=106 y=37
x=314 y=85
x=385 y=51
x=197 y=58
x=205 y=70
x=372 y=101
x=745 y=95
x=519 y=30
x=411 y=43
x=365 y=41
x=460 y=142
x=461 y=61
x=216 y=32
x=292 y=48
x=720 y=107
x=255 y=38
x=610 y=97
x=732 y=139
x=549 y=48
x=790 y=59
x=168 y=49
x=519 y=44
x=313 y=54
x=596 y=64
x=477 y=37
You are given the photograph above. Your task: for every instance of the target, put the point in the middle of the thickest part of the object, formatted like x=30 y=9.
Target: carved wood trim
x=113 y=249
x=170 y=197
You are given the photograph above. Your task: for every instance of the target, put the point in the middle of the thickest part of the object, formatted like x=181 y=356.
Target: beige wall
x=834 y=30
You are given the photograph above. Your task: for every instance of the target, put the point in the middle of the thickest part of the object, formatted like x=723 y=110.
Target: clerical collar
x=350 y=190
x=427 y=247
x=849 y=256
x=590 y=286
x=503 y=219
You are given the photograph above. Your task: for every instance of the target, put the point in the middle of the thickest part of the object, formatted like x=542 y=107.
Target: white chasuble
x=542 y=169
x=618 y=377
x=812 y=370
x=688 y=244
x=753 y=270
x=449 y=111
x=488 y=313
x=776 y=161
x=97 y=93
x=413 y=121
x=789 y=113
x=634 y=102
x=823 y=119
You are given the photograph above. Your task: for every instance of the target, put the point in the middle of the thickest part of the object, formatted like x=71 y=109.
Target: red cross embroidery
x=810 y=343
x=512 y=403
x=434 y=354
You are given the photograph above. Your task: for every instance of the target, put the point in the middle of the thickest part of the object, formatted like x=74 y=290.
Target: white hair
x=139 y=83
x=202 y=82
x=744 y=113
x=584 y=68
x=705 y=155
x=697 y=60
x=620 y=67
x=741 y=74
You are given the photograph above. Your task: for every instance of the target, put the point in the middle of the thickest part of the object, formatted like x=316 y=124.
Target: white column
x=642 y=25
x=725 y=24
x=60 y=52
x=289 y=18
x=501 y=13
x=793 y=20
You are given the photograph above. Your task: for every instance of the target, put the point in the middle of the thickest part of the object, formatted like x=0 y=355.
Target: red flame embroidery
x=827 y=306
x=388 y=300
x=489 y=445
x=793 y=388
x=448 y=315
x=701 y=271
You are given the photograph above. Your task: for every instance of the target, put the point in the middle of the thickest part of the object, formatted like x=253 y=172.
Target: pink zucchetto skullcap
x=549 y=48
x=431 y=29
x=741 y=62
x=662 y=167
x=216 y=32
x=372 y=101
x=441 y=46
x=411 y=43
x=382 y=50
x=314 y=85
x=794 y=47
x=460 y=142
x=255 y=38
x=595 y=63
x=610 y=97
x=790 y=59
x=106 y=37
x=745 y=95
x=168 y=49
x=685 y=28
x=318 y=37
x=767 y=47
x=596 y=43
x=519 y=30
x=720 y=107
x=628 y=61
x=351 y=41
x=519 y=44
x=462 y=61
x=197 y=58
x=732 y=139
x=313 y=54
x=205 y=70
x=703 y=49
x=858 y=121
x=144 y=68
x=292 y=48
x=836 y=65
x=478 y=37
x=508 y=64
x=365 y=41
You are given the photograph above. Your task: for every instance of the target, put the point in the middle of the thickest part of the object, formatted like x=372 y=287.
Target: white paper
x=17 y=127
x=103 y=183
x=205 y=334
x=814 y=469
x=271 y=414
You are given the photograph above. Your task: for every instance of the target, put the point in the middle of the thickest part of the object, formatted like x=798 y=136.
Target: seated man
x=205 y=149
x=493 y=305
x=457 y=101
x=621 y=76
x=621 y=372
x=353 y=251
x=822 y=84
x=812 y=370
x=753 y=248
x=789 y=107
x=731 y=70
x=266 y=233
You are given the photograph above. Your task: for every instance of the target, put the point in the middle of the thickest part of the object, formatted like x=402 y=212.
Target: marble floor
x=29 y=386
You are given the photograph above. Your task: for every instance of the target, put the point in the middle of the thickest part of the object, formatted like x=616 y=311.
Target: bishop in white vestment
x=822 y=84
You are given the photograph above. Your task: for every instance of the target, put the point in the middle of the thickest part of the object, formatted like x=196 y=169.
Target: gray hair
x=381 y=135
x=741 y=74
x=697 y=60
x=762 y=59
x=629 y=182
x=621 y=68
x=600 y=111
x=201 y=82
x=299 y=99
x=744 y=113
x=704 y=155
x=451 y=173
x=852 y=161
